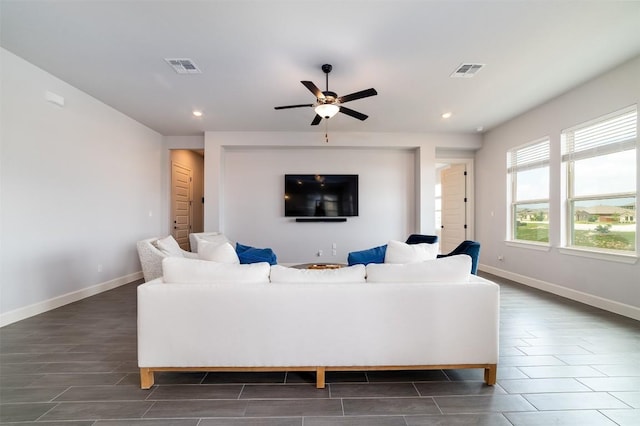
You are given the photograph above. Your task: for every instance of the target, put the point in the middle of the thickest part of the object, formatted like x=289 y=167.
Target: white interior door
x=454 y=206
x=181 y=204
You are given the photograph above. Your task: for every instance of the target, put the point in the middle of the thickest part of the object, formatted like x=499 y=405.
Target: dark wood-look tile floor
x=561 y=363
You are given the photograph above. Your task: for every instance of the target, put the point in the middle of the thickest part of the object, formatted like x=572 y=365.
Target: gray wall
x=600 y=281
x=79 y=185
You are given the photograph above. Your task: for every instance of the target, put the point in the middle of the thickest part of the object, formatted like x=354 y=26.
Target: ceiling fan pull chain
x=326 y=131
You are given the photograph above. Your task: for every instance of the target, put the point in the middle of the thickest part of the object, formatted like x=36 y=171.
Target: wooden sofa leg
x=490 y=374
x=146 y=378
x=320 y=380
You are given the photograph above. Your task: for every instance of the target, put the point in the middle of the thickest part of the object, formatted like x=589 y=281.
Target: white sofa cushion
x=350 y=274
x=169 y=246
x=209 y=237
x=197 y=271
x=399 y=252
x=452 y=269
x=223 y=253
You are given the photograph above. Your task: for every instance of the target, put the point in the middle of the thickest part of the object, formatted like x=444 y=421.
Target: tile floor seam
x=241 y=391
x=613 y=396
x=415 y=387
x=48 y=411
x=153 y=403
x=436 y=404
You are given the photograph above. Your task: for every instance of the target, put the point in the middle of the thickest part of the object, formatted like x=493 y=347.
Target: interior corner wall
x=606 y=284
x=244 y=188
x=80 y=184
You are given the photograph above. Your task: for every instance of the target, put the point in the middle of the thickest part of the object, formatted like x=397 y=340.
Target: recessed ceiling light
x=447 y=115
x=197 y=113
x=479 y=129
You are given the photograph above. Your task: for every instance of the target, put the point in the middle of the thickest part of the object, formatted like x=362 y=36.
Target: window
x=528 y=173
x=600 y=161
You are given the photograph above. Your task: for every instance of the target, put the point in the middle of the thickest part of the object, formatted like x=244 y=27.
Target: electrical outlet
x=99 y=267
x=501 y=258
x=319 y=253
x=335 y=252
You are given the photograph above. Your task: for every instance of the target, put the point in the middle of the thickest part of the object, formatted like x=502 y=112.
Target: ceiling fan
x=329 y=103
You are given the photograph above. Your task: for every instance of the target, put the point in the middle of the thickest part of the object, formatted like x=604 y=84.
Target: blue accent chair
x=471 y=248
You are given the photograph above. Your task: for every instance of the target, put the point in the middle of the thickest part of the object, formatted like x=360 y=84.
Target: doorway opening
x=454 y=202
x=186 y=194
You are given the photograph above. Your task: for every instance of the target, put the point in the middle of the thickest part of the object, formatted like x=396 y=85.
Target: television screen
x=320 y=195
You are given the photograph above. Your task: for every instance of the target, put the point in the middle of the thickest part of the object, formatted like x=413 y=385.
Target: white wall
x=80 y=184
x=604 y=283
x=244 y=188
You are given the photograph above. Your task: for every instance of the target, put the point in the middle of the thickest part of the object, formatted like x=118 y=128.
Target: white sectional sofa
x=205 y=316
x=151 y=251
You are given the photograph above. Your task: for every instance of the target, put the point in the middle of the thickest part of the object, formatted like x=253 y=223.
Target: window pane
x=605 y=174
x=606 y=223
x=532 y=184
x=532 y=222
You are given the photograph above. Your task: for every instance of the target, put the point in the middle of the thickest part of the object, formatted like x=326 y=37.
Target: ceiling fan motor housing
x=329 y=97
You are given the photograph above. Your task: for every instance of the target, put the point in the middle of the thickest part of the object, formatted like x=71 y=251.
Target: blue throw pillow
x=248 y=254
x=364 y=257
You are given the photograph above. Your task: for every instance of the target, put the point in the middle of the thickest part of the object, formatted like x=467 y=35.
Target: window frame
x=538 y=160
x=598 y=149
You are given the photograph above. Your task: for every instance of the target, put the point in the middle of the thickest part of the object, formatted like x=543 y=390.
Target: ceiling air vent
x=466 y=70
x=183 y=66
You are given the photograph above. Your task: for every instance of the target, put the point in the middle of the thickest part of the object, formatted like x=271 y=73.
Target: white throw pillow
x=223 y=253
x=451 y=269
x=350 y=274
x=214 y=238
x=399 y=252
x=197 y=271
x=169 y=246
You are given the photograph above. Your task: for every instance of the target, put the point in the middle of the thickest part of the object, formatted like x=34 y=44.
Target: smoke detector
x=467 y=70
x=183 y=66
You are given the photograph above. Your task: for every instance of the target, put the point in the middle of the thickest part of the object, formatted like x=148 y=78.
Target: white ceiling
x=253 y=55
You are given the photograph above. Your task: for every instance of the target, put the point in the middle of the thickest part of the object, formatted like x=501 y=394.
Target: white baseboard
x=578 y=296
x=47 y=305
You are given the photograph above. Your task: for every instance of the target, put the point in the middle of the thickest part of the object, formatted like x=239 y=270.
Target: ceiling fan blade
x=316 y=120
x=293 y=106
x=357 y=95
x=354 y=114
x=313 y=89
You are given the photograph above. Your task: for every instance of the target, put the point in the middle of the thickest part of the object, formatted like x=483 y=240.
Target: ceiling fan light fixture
x=327 y=110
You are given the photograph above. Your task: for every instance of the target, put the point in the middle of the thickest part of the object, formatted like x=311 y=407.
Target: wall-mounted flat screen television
x=320 y=195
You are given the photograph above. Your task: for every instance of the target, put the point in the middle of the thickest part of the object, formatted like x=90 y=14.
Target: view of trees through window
x=606 y=223
x=532 y=222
